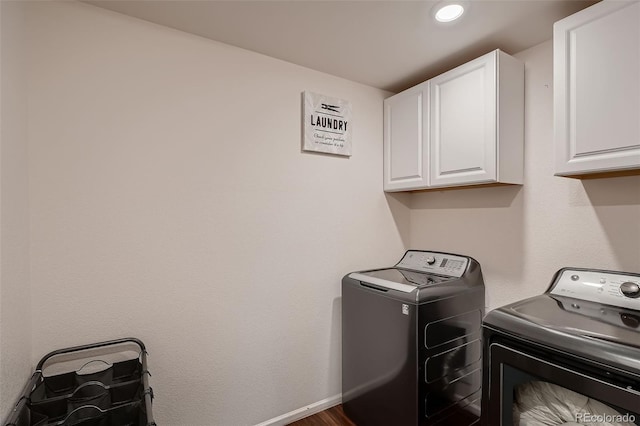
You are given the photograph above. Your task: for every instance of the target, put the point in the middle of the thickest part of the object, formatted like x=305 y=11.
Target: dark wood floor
x=333 y=416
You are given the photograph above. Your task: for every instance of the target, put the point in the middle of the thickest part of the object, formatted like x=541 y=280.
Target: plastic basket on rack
x=102 y=384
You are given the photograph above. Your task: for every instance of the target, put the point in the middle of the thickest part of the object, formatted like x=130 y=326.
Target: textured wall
x=171 y=201
x=15 y=305
x=522 y=235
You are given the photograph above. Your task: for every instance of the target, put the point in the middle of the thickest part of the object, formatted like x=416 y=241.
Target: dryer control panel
x=445 y=264
x=610 y=288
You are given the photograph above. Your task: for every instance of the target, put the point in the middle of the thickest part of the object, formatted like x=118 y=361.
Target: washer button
x=574 y=278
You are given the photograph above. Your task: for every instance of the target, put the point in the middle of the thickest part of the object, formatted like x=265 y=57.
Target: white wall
x=15 y=305
x=170 y=201
x=522 y=235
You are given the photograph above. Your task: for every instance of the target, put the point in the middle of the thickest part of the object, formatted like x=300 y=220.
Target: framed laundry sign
x=327 y=124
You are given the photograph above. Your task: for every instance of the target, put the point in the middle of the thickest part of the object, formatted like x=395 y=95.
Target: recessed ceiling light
x=449 y=12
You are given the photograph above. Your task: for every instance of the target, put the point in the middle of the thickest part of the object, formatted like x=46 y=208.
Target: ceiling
x=391 y=45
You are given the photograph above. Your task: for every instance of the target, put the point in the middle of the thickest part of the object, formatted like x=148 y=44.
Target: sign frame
x=327 y=124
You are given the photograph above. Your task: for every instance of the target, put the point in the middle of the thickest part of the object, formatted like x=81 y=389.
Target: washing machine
x=411 y=341
x=571 y=354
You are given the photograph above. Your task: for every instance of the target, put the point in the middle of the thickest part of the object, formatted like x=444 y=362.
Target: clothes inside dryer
x=542 y=403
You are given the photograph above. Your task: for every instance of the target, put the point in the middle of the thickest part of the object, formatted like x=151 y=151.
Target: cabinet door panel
x=597 y=89
x=463 y=129
x=404 y=166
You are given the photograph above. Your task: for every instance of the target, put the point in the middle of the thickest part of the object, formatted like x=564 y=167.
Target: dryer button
x=630 y=289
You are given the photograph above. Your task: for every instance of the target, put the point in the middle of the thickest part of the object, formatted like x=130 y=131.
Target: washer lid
x=593 y=330
x=398 y=279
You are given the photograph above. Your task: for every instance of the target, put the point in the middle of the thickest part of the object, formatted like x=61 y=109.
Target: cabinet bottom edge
x=600 y=174
x=452 y=188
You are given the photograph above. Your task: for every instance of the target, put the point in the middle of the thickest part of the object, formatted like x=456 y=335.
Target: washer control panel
x=435 y=263
x=611 y=288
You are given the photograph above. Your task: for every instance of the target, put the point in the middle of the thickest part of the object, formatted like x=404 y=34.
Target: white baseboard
x=303 y=412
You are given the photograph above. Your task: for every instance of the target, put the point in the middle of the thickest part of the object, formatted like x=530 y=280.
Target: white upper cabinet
x=404 y=120
x=463 y=127
x=597 y=91
x=463 y=124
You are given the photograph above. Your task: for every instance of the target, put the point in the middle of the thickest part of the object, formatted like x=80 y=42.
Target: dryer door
x=527 y=389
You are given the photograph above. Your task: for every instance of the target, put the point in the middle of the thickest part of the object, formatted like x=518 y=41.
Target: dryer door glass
x=527 y=389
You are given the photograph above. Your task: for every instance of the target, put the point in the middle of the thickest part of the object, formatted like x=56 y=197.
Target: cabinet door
x=597 y=89
x=463 y=124
x=405 y=139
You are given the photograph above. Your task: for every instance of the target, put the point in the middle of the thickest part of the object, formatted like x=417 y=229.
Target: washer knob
x=630 y=289
x=431 y=260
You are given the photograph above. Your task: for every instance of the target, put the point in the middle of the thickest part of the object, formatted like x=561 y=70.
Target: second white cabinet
x=463 y=127
x=597 y=91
